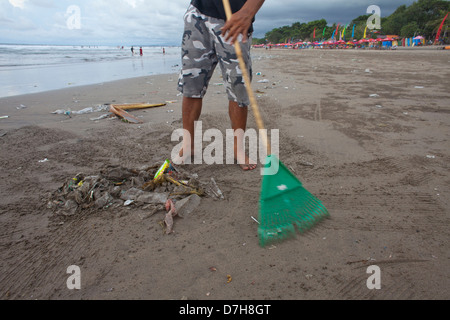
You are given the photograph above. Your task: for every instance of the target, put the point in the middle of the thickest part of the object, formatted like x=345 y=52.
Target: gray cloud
x=275 y=14
x=156 y=22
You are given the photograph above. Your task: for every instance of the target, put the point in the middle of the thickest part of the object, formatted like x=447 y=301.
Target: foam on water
x=29 y=69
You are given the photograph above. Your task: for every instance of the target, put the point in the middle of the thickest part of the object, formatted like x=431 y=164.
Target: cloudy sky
x=151 y=22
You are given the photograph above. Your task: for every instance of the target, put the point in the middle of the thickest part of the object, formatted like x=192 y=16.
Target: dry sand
x=379 y=164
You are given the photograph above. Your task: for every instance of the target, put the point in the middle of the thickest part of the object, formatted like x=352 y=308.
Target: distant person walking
x=141 y=51
x=132 y=51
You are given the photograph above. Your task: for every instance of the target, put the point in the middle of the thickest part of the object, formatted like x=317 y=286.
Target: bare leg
x=192 y=109
x=238 y=117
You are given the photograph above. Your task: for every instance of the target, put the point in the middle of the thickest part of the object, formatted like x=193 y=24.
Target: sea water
x=30 y=68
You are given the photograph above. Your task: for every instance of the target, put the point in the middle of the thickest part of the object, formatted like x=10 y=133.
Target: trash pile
x=153 y=189
x=118 y=110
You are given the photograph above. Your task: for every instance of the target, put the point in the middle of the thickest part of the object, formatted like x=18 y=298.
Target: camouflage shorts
x=203 y=48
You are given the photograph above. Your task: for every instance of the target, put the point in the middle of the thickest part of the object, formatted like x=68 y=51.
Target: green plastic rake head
x=285 y=205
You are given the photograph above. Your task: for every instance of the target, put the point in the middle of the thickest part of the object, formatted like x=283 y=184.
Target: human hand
x=238 y=24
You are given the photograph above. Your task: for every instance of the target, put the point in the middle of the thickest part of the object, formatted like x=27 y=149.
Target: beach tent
x=387 y=42
x=363 y=41
x=419 y=40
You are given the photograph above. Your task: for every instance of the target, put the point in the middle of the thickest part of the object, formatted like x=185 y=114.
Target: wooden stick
x=138 y=106
x=253 y=103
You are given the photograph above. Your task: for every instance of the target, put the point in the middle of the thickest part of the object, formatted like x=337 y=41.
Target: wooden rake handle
x=251 y=95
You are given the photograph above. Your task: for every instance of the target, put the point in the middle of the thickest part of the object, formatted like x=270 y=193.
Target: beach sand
x=380 y=164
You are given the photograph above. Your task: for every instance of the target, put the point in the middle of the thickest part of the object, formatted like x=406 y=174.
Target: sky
x=152 y=22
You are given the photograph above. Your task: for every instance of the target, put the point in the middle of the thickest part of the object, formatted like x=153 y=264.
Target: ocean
x=28 y=69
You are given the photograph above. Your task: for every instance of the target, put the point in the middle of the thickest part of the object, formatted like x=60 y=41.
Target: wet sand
x=367 y=132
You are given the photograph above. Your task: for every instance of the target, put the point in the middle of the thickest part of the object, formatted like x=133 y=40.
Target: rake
x=285 y=205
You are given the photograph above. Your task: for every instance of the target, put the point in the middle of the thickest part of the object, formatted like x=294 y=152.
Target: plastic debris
x=98 y=108
x=104 y=116
x=105 y=200
x=172 y=212
x=150 y=211
x=153 y=197
x=187 y=206
x=118 y=110
x=306 y=163
x=4 y=117
x=120 y=187
x=161 y=170
x=374 y=95
x=214 y=190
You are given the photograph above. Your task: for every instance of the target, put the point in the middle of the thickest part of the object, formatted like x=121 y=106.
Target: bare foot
x=248 y=167
x=247 y=164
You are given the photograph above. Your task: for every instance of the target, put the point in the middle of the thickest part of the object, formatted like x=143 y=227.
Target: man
x=209 y=40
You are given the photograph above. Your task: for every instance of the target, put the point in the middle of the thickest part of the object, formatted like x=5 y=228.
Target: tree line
x=423 y=17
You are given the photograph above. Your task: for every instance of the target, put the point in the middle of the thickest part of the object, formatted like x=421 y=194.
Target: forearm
x=251 y=7
x=240 y=22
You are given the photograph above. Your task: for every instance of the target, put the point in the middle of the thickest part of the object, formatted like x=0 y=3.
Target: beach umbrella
x=419 y=38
